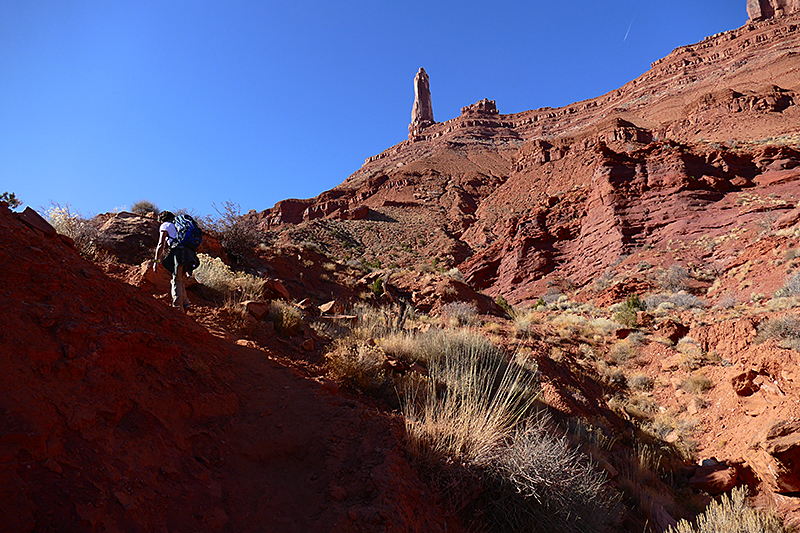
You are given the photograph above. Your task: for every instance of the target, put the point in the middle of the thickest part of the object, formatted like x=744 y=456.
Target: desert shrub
x=503 y=303
x=785 y=330
x=142 y=207
x=472 y=410
x=10 y=199
x=689 y=346
x=84 y=232
x=641 y=407
x=673 y=278
x=681 y=300
x=540 y=483
x=791 y=287
x=727 y=301
x=459 y=313
x=288 y=318
x=626 y=349
x=455 y=273
x=731 y=514
x=603 y=326
x=626 y=314
x=238 y=235
x=791 y=254
x=356 y=365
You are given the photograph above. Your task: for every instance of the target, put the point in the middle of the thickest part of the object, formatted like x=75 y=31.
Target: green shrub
x=10 y=199
x=731 y=514
x=377 y=287
x=503 y=303
x=627 y=313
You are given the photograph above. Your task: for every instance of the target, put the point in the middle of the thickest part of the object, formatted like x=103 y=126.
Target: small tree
x=10 y=199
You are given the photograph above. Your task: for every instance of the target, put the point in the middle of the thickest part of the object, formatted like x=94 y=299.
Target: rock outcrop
x=422 y=112
x=765 y=9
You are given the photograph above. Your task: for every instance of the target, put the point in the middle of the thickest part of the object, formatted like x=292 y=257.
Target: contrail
x=627 y=32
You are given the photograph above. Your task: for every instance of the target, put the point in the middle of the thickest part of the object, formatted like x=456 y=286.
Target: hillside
x=633 y=259
x=520 y=202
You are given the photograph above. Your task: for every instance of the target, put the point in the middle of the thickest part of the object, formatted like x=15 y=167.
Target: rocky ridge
x=527 y=198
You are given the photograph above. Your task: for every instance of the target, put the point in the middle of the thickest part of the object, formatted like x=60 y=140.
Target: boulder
x=714 y=478
x=273 y=288
x=129 y=237
x=34 y=220
x=257 y=310
x=774 y=455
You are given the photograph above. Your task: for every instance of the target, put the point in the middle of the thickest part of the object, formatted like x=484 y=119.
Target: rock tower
x=422 y=113
x=766 y=9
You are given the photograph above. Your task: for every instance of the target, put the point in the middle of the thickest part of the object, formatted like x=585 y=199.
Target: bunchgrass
x=731 y=514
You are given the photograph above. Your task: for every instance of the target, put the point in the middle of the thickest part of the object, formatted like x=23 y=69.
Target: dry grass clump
x=690 y=347
x=696 y=384
x=640 y=382
x=288 y=318
x=216 y=275
x=626 y=349
x=524 y=320
x=455 y=314
x=473 y=410
x=356 y=365
x=468 y=405
x=84 y=232
x=732 y=514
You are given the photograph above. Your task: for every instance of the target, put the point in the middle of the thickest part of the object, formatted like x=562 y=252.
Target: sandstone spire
x=765 y=9
x=422 y=113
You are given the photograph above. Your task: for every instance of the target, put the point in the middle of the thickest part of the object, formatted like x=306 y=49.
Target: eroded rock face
x=422 y=112
x=765 y=9
x=775 y=456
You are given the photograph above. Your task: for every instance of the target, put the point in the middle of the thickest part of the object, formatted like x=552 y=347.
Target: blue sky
x=191 y=103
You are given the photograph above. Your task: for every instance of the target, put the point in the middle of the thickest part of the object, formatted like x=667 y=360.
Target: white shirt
x=172 y=231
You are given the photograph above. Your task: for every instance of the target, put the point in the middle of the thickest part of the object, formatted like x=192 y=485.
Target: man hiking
x=181 y=236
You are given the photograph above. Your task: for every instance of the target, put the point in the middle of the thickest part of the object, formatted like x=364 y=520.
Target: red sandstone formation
x=422 y=112
x=526 y=199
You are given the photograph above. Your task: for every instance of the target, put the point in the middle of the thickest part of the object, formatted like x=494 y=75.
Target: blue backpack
x=189 y=233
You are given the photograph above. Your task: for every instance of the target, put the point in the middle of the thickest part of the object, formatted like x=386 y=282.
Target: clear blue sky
x=189 y=103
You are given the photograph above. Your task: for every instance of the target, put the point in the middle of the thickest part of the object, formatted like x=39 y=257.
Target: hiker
x=181 y=260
